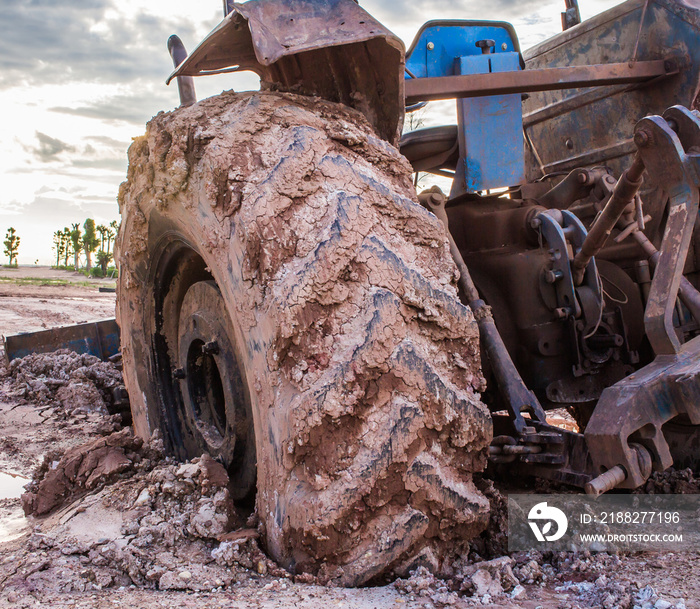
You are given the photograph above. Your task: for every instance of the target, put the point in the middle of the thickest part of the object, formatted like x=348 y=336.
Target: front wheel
x=287 y=306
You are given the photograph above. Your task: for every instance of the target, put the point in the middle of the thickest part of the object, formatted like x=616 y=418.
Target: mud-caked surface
x=156 y=533
x=77 y=382
x=362 y=363
x=152 y=524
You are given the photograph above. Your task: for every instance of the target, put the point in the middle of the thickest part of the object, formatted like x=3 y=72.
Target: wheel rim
x=203 y=396
x=210 y=379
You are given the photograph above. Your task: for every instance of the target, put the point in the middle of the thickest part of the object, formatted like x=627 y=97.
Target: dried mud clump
x=78 y=382
x=672 y=481
x=82 y=469
x=484 y=582
x=158 y=525
x=493 y=541
x=362 y=364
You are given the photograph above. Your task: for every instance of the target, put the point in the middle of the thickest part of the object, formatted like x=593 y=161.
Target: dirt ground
x=36 y=298
x=132 y=528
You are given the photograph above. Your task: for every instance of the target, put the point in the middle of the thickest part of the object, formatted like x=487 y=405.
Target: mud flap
x=332 y=49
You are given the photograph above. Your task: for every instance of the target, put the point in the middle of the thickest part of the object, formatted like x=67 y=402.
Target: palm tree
x=90 y=241
x=102 y=229
x=59 y=244
x=68 y=252
x=114 y=226
x=11 y=244
x=75 y=237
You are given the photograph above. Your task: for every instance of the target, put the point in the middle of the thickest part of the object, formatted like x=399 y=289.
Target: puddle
x=13 y=524
x=11 y=485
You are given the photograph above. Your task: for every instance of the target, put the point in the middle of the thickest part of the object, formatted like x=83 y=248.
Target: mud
x=683 y=481
x=160 y=533
x=82 y=469
x=361 y=362
x=78 y=382
x=155 y=526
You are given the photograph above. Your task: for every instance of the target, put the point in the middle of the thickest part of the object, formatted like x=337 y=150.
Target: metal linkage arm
x=671 y=160
x=517 y=396
x=623 y=195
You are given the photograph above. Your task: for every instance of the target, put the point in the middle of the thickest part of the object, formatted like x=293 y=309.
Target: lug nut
x=211 y=348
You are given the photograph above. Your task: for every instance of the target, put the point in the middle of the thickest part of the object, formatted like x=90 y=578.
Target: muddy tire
x=285 y=301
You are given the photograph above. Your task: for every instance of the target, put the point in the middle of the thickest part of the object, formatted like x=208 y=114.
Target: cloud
x=118 y=165
x=49 y=148
x=107 y=141
x=47 y=210
x=86 y=40
x=404 y=14
x=135 y=108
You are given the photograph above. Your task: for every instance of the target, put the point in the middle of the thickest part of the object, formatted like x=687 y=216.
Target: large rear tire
x=284 y=299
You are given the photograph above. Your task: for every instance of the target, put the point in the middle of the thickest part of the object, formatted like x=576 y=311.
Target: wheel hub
x=210 y=381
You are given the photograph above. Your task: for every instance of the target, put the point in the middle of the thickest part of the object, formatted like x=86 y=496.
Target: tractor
x=357 y=353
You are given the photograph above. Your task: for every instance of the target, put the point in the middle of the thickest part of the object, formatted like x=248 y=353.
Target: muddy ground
x=126 y=526
x=36 y=298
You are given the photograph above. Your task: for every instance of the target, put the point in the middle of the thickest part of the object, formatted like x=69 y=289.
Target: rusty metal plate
x=100 y=339
x=635 y=409
x=333 y=49
x=592 y=126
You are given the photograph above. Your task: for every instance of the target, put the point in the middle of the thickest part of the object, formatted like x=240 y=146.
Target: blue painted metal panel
x=491 y=139
x=490 y=128
x=452 y=39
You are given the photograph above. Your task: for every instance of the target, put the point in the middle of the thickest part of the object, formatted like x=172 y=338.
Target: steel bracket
x=669 y=164
x=558 y=228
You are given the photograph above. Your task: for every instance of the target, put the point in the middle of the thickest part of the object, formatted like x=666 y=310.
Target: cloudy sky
x=79 y=79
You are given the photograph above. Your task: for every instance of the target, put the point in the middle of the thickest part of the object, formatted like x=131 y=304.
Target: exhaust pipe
x=185 y=84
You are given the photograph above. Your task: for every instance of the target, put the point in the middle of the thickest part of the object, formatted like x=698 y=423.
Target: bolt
x=561 y=312
x=582 y=177
x=535 y=223
x=179 y=373
x=551 y=276
x=486 y=45
x=437 y=199
x=641 y=139
x=504 y=46
x=212 y=347
x=430 y=46
x=569 y=143
x=672 y=124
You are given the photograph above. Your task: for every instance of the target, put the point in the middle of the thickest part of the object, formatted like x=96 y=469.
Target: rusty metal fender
x=331 y=49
